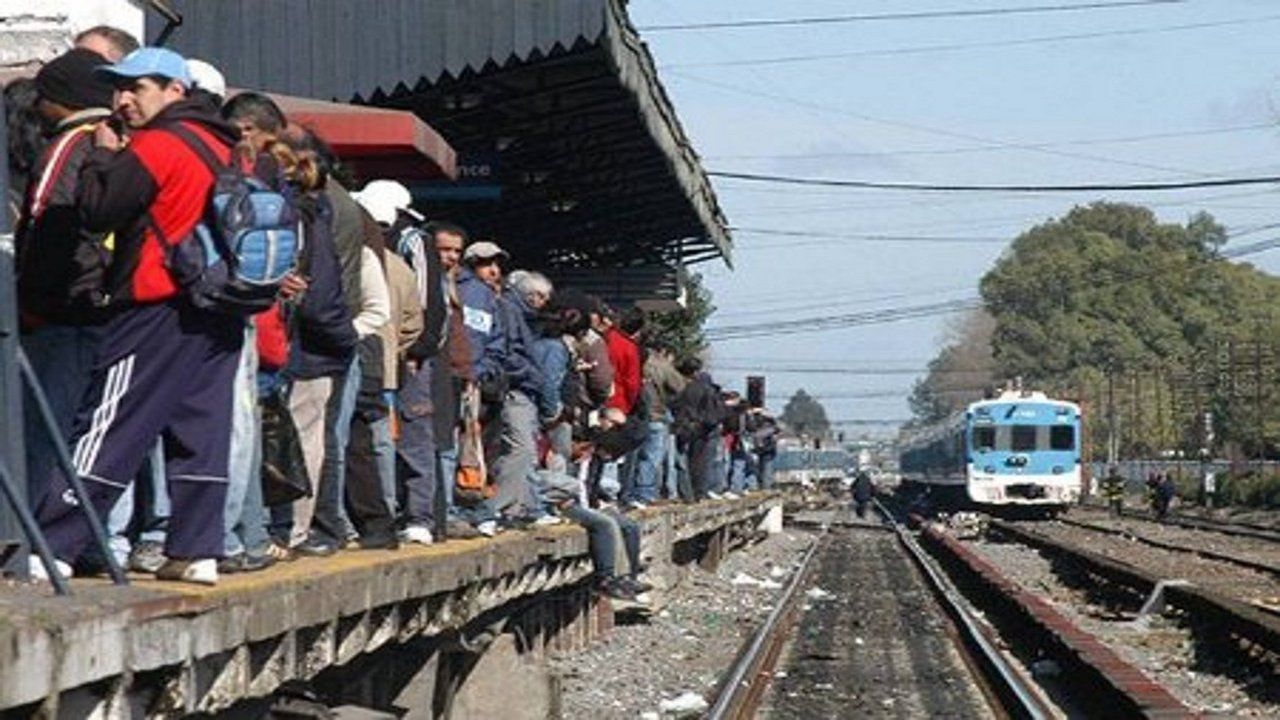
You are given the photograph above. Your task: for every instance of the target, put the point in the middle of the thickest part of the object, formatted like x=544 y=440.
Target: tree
x=962 y=372
x=1141 y=318
x=682 y=330
x=805 y=415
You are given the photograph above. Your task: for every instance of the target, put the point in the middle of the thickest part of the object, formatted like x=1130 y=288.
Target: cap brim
x=114 y=73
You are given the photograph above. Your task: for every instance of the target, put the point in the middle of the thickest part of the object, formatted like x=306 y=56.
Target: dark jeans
x=600 y=538
x=701 y=460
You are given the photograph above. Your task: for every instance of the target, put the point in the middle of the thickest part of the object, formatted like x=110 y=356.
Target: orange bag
x=471 y=484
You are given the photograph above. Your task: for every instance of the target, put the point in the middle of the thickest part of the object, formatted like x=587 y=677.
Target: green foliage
x=682 y=330
x=1109 y=305
x=960 y=374
x=804 y=415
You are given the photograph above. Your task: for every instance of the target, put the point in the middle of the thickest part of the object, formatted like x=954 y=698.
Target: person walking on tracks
x=863 y=489
x=1162 y=494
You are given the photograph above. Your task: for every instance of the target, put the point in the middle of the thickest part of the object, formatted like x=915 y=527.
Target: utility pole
x=1257 y=399
x=13 y=547
x=1112 y=449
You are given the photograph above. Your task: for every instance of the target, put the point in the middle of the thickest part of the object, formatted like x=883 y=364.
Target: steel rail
x=1175 y=547
x=1219 y=526
x=749 y=676
x=1019 y=700
x=1226 y=527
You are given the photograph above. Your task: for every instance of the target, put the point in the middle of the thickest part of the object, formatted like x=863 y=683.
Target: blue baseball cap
x=150 y=61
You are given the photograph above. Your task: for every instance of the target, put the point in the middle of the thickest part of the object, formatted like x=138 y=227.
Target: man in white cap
x=207 y=81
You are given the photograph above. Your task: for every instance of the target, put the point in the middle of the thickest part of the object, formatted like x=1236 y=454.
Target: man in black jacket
x=61 y=263
x=698 y=414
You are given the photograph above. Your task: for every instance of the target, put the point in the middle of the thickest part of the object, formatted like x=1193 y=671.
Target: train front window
x=1062 y=437
x=984 y=438
x=1023 y=438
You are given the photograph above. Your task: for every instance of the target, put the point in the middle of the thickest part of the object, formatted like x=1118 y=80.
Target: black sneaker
x=147 y=557
x=315 y=547
x=638 y=587
x=617 y=589
x=460 y=530
x=245 y=562
x=378 y=541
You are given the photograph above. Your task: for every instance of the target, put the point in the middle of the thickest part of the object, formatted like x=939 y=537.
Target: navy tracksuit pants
x=164 y=370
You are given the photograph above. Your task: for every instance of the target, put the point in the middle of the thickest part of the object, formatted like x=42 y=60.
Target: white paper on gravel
x=685 y=705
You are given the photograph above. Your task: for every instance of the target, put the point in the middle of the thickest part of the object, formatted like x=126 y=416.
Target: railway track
x=1222 y=626
x=905 y=640
x=1225 y=527
x=1189 y=544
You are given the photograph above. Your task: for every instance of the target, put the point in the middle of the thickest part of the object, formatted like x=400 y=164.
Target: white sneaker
x=201 y=572
x=417 y=534
x=731 y=495
x=488 y=528
x=547 y=520
x=38 y=571
x=712 y=495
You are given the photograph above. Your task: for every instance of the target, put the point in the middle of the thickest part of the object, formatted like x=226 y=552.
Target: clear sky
x=943 y=100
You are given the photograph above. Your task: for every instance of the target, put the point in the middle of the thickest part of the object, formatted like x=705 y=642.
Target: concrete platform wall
x=162 y=649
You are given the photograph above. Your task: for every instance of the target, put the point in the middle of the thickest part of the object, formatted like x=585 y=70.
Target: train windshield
x=984 y=438
x=1023 y=438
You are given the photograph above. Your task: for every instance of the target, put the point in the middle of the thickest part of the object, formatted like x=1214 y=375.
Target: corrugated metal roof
x=339 y=49
x=570 y=76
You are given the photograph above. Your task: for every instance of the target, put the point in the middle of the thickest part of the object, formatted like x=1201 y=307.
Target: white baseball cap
x=206 y=77
x=383 y=198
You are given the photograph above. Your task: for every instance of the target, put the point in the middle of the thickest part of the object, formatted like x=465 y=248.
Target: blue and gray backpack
x=249 y=240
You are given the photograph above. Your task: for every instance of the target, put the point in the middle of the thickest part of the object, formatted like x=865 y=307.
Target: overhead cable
x=1154 y=186
x=920 y=15
x=1119 y=140
x=952 y=47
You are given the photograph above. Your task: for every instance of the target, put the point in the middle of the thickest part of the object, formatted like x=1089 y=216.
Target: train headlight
x=1058 y=470
x=991 y=469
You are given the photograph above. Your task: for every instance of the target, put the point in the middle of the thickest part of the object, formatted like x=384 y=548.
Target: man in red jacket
x=165 y=368
x=624 y=355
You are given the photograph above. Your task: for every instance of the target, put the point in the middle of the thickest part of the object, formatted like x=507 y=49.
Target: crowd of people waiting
x=405 y=375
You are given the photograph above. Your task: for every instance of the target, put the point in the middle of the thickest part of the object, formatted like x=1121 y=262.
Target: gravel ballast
x=687 y=645
x=1167 y=651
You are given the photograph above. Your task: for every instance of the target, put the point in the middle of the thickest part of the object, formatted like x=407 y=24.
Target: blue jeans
x=331 y=519
x=417 y=450
x=244 y=516
x=719 y=474
x=384 y=453
x=764 y=471
x=650 y=462
x=737 y=472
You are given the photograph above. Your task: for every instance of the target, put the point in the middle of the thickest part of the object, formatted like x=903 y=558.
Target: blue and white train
x=1019 y=450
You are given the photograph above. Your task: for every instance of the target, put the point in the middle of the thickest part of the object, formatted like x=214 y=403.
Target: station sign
x=477 y=180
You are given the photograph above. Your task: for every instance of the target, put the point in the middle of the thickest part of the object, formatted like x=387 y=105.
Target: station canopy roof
x=569 y=151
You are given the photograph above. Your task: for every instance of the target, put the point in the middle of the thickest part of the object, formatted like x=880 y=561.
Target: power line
x=863 y=237
x=951 y=47
x=832 y=322
x=987 y=148
x=832 y=370
x=944 y=187
x=923 y=15
x=917 y=127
